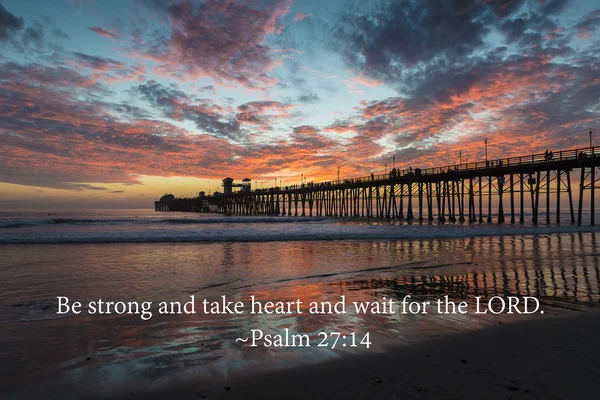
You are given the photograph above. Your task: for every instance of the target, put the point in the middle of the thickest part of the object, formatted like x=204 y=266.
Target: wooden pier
x=500 y=190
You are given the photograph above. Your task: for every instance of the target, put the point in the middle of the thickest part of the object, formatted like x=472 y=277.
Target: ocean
x=142 y=255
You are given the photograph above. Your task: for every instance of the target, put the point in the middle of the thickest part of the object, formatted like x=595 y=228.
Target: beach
x=137 y=256
x=544 y=359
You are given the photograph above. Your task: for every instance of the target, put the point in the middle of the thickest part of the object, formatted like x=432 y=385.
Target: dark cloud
x=399 y=33
x=399 y=42
x=129 y=111
x=589 y=22
x=60 y=34
x=9 y=23
x=554 y=7
x=161 y=96
x=503 y=8
x=99 y=63
x=85 y=186
x=209 y=89
x=406 y=45
x=52 y=76
x=309 y=98
x=105 y=32
x=109 y=69
x=516 y=29
x=259 y=106
x=21 y=37
x=34 y=35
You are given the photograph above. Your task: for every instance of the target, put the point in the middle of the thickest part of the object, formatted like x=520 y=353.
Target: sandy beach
x=551 y=358
x=90 y=356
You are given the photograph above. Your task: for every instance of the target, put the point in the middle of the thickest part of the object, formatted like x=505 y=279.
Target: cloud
x=300 y=16
x=85 y=186
x=454 y=84
x=17 y=35
x=57 y=77
x=34 y=35
x=508 y=70
x=105 y=32
x=263 y=113
x=68 y=139
x=174 y=103
x=55 y=132
x=398 y=41
x=108 y=69
x=60 y=34
x=589 y=23
x=224 y=40
x=309 y=138
x=9 y=23
x=309 y=98
x=407 y=32
x=554 y=7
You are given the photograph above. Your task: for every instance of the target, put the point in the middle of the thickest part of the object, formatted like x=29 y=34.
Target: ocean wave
x=19 y=223
x=30 y=311
x=349 y=232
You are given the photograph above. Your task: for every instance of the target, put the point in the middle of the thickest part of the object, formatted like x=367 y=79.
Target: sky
x=113 y=103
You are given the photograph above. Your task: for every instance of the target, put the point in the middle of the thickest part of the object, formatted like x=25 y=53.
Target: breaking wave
x=321 y=232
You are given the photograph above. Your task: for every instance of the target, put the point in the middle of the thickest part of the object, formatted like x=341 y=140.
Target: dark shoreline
x=549 y=358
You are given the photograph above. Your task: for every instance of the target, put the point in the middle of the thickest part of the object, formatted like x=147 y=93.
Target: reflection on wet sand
x=108 y=354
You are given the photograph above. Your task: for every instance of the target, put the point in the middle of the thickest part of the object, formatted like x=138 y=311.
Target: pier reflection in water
x=560 y=270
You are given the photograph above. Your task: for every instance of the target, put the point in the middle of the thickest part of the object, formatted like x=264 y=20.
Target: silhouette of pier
x=492 y=191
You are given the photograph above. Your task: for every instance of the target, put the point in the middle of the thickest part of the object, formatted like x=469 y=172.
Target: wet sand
x=190 y=356
x=549 y=358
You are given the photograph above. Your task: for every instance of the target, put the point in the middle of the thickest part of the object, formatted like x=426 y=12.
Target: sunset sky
x=112 y=103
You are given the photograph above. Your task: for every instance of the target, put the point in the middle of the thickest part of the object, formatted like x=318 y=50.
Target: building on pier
x=167 y=197
x=228 y=186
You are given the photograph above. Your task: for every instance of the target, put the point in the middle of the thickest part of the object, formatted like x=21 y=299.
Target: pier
x=499 y=191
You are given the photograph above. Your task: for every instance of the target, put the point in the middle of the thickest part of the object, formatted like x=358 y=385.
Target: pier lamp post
x=460 y=157
x=275 y=182
x=301 y=179
x=385 y=169
x=394 y=162
x=590 y=138
x=338 y=182
x=486 y=156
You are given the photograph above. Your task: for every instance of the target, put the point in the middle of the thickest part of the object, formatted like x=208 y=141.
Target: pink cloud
x=300 y=16
x=584 y=35
x=224 y=40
